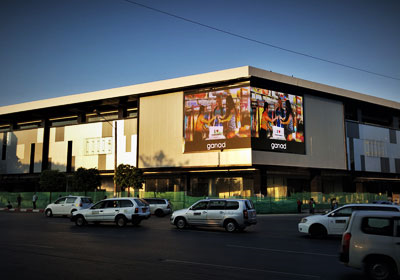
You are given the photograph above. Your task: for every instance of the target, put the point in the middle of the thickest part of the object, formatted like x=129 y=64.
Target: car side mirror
x=326 y=211
x=332 y=215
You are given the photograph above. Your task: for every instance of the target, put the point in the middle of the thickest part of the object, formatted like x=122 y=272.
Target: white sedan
x=117 y=210
x=334 y=222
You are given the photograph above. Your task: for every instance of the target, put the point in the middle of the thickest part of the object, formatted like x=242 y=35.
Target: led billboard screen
x=217 y=120
x=277 y=121
x=243 y=117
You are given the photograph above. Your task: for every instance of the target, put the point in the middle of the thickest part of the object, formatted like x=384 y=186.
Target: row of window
x=380 y=226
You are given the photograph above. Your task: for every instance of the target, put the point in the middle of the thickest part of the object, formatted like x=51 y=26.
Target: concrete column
x=316 y=184
x=360 y=187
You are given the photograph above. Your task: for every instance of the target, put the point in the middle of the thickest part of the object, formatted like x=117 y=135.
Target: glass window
x=70 y=200
x=149 y=200
x=232 y=205
x=344 y=212
x=217 y=205
x=86 y=200
x=125 y=203
x=161 y=201
x=112 y=204
x=99 y=205
x=60 y=200
x=202 y=205
x=141 y=202
x=377 y=226
x=249 y=204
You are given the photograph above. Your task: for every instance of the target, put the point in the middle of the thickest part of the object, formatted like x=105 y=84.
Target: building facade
x=237 y=132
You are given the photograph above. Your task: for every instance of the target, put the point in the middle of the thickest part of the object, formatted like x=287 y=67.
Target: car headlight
x=304 y=220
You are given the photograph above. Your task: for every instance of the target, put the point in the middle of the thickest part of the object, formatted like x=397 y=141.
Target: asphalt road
x=35 y=247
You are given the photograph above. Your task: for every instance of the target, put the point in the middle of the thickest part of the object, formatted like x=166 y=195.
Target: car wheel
x=159 y=213
x=230 y=226
x=120 y=221
x=318 y=231
x=80 y=221
x=180 y=223
x=48 y=213
x=379 y=269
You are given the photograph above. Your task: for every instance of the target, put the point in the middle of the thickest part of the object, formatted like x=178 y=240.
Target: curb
x=23 y=210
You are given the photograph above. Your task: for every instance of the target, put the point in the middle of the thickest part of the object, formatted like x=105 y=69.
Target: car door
x=111 y=210
x=68 y=205
x=338 y=220
x=216 y=212
x=95 y=213
x=58 y=206
x=397 y=240
x=197 y=214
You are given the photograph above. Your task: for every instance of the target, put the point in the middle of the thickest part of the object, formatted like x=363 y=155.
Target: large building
x=242 y=131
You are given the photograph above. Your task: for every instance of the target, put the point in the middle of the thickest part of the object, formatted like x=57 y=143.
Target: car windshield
x=98 y=205
x=249 y=204
x=141 y=202
x=86 y=200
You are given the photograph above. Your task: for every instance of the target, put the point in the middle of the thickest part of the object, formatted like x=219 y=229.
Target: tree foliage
x=52 y=180
x=128 y=176
x=86 y=179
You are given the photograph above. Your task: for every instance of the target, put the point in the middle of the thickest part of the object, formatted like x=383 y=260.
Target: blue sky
x=51 y=48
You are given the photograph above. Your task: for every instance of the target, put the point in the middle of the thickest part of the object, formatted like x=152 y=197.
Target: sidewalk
x=27 y=210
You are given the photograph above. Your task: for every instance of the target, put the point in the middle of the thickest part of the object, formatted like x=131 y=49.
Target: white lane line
x=283 y=251
x=240 y=268
x=33 y=245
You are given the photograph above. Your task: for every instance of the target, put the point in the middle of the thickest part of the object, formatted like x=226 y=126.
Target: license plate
x=144 y=210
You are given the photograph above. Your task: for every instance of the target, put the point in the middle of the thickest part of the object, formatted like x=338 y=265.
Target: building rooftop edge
x=192 y=80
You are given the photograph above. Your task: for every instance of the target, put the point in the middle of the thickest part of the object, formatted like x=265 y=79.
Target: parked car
x=334 y=222
x=372 y=242
x=159 y=206
x=232 y=214
x=67 y=204
x=119 y=210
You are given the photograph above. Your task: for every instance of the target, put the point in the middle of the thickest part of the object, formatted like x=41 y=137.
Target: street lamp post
x=115 y=147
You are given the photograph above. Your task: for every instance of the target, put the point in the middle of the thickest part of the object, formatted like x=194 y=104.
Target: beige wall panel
x=21 y=152
x=101 y=162
x=58 y=155
x=18 y=150
x=161 y=137
x=38 y=157
x=40 y=135
x=60 y=134
x=107 y=129
x=324 y=138
x=86 y=161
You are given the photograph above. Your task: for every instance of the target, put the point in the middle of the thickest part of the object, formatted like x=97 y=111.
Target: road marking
x=240 y=268
x=282 y=251
x=33 y=245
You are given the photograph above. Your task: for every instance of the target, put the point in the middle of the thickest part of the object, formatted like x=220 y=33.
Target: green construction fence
x=179 y=200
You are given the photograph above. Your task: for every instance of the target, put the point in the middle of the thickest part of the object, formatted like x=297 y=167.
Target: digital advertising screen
x=244 y=117
x=217 y=120
x=277 y=121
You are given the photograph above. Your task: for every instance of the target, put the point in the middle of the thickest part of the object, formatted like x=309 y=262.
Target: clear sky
x=51 y=48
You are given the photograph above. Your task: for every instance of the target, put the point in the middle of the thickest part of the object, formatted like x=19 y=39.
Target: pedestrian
x=333 y=202
x=34 y=199
x=312 y=205
x=19 y=200
x=9 y=206
x=299 y=203
x=336 y=205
